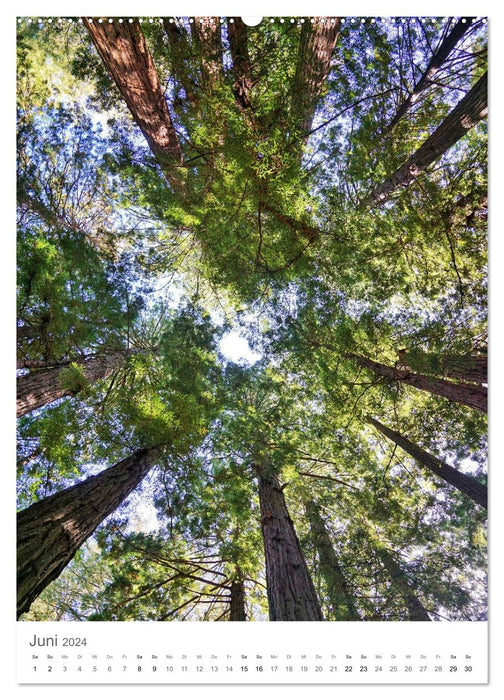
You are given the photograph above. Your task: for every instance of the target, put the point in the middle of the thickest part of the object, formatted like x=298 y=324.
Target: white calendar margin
x=258 y=652
x=271 y=8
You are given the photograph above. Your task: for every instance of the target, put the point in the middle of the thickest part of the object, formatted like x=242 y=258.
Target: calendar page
x=251 y=349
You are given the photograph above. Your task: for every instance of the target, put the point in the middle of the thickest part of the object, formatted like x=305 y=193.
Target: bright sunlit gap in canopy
x=235 y=348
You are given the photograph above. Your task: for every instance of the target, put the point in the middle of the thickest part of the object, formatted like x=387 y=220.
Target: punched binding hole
x=251 y=21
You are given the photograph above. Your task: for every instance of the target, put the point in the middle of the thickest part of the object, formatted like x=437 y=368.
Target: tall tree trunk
x=37 y=389
x=463 y=482
x=468 y=368
x=466 y=394
x=242 y=65
x=340 y=598
x=469 y=111
x=125 y=54
x=291 y=593
x=317 y=43
x=436 y=62
x=181 y=54
x=40 y=364
x=206 y=33
x=416 y=610
x=50 y=532
x=237 y=605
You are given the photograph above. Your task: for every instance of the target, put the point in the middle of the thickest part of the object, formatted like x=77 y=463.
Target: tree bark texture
x=417 y=612
x=469 y=111
x=317 y=43
x=465 y=483
x=339 y=595
x=40 y=364
x=125 y=54
x=466 y=394
x=291 y=593
x=50 y=532
x=242 y=65
x=436 y=62
x=39 y=388
x=237 y=610
x=181 y=54
x=468 y=368
x=207 y=42
x=206 y=33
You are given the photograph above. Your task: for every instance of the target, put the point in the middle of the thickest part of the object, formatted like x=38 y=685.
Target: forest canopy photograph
x=252 y=319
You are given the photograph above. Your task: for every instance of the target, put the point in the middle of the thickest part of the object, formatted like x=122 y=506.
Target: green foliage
x=73 y=378
x=266 y=236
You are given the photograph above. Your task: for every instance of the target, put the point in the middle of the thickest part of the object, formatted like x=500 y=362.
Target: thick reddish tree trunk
x=206 y=33
x=242 y=65
x=291 y=593
x=436 y=62
x=125 y=54
x=237 y=604
x=39 y=388
x=467 y=394
x=317 y=42
x=463 y=482
x=469 y=111
x=468 y=368
x=416 y=610
x=40 y=364
x=338 y=592
x=50 y=532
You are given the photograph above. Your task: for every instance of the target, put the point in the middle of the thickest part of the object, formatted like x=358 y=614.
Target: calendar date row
x=257 y=669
